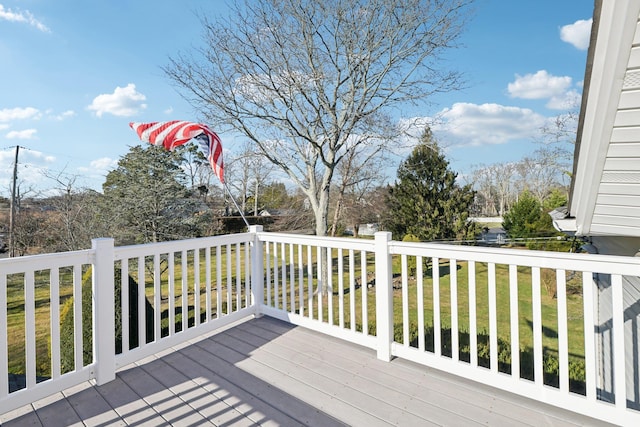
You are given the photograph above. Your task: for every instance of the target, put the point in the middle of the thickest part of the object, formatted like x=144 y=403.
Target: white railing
x=56 y=342
x=526 y=273
x=513 y=313
x=299 y=289
x=199 y=285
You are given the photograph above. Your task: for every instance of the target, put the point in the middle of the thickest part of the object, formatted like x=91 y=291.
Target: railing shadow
x=550 y=358
x=200 y=381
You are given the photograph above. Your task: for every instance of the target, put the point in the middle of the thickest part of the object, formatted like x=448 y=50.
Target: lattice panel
x=621 y=177
x=631 y=80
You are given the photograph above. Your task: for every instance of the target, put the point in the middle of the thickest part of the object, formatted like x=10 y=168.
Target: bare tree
x=74 y=216
x=246 y=174
x=67 y=208
x=557 y=145
x=301 y=78
x=18 y=230
x=503 y=174
x=358 y=173
x=538 y=174
x=484 y=184
x=561 y=131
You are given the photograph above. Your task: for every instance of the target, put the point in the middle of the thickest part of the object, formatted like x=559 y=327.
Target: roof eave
x=613 y=30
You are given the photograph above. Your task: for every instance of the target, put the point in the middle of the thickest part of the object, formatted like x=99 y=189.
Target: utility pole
x=12 y=214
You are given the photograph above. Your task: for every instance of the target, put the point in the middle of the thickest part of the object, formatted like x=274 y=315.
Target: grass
x=525 y=308
x=16 y=318
x=575 y=329
x=230 y=261
x=549 y=312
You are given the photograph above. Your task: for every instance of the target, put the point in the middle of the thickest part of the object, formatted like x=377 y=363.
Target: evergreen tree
x=146 y=198
x=425 y=201
x=523 y=218
x=528 y=218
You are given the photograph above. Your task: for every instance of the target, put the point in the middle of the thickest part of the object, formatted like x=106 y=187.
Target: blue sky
x=75 y=73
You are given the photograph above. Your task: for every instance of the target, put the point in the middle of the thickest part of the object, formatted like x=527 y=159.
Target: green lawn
x=16 y=317
x=525 y=309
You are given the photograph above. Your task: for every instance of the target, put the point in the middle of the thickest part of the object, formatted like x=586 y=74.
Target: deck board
x=450 y=394
x=267 y=372
x=428 y=402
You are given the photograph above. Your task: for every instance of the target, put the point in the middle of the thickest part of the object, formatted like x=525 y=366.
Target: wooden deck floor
x=266 y=372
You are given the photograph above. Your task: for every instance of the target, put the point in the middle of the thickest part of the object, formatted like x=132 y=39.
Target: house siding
x=617 y=207
x=605 y=366
x=625 y=246
x=605 y=192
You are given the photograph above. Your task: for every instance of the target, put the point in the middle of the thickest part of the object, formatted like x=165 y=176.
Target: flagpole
x=236 y=205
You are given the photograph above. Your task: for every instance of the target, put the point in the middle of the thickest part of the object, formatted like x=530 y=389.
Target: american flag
x=174 y=133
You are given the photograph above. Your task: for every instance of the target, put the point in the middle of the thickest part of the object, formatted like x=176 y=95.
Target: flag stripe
x=171 y=134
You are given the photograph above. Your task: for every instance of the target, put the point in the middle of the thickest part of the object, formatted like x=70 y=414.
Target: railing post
x=384 y=295
x=257 y=270
x=104 y=349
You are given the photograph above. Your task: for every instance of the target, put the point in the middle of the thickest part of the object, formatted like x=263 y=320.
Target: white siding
x=617 y=208
x=633 y=201
x=619 y=189
x=634 y=58
x=606 y=368
x=612 y=219
x=629 y=99
x=625 y=211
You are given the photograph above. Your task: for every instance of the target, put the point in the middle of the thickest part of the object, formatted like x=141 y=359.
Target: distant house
x=493 y=235
x=368 y=229
x=604 y=201
x=276 y=212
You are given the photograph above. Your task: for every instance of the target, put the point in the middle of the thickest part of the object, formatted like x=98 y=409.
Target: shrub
x=67 y=342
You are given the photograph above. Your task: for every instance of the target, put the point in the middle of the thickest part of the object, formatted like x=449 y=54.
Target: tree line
x=152 y=195
x=311 y=86
x=157 y=195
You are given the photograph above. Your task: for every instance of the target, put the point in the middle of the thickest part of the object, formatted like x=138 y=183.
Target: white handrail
x=327 y=284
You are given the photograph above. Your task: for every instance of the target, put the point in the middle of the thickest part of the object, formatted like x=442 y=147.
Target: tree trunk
x=320 y=200
x=255 y=200
x=321 y=215
x=336 y=216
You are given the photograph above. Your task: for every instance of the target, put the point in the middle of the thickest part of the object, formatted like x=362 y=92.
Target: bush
x=411 y=260
x=67 y=342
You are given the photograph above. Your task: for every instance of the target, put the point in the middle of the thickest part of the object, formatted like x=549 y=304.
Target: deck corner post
x=257 y=270
x=384 y=296
x=103 y=284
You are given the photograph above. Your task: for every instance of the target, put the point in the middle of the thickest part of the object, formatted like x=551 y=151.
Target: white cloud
x=7 y=157
x=540 y=85
x=103 y=164
x=22 y=17
x=473 y=124
x=123 y=102
x=9 y=114
x=569 y=100
x=577 y=34
x=21 y=134
x=168 y=110
x=36 y=156
x=31 y=166
x=27 y=156
x=65 y=115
